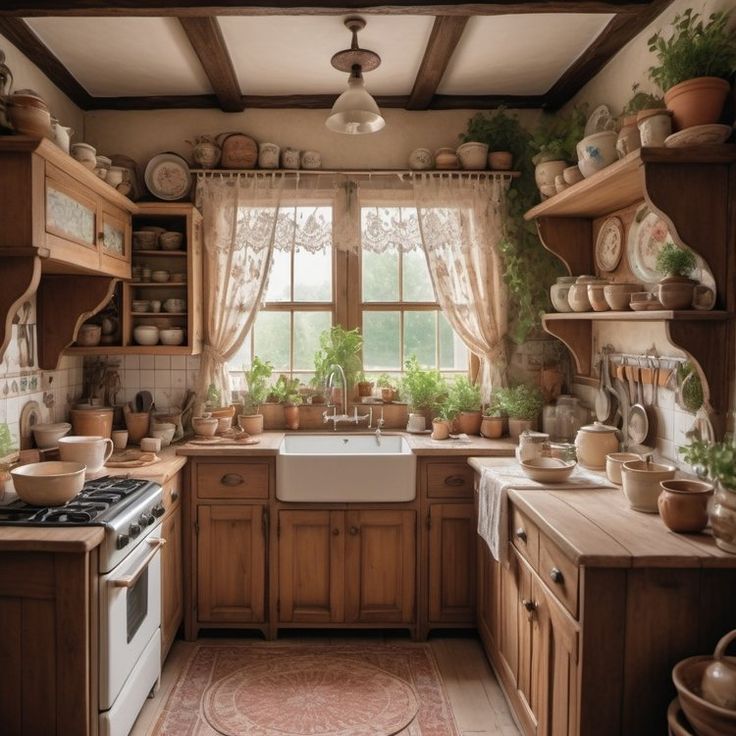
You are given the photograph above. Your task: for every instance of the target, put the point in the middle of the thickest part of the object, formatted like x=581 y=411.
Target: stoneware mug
x=91 y=451
x=120 y=439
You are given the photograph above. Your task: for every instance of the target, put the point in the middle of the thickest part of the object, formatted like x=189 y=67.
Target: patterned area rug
x=261 y=689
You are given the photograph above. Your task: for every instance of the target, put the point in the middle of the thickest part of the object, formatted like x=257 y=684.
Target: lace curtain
x=461 y=225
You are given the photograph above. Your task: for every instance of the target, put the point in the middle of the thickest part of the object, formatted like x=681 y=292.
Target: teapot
x=593 y=442
x=719 y=678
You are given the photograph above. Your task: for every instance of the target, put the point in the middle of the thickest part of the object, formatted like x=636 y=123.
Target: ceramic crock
x=628 y=137
x=593 y=442
x=473 y=155
x=596 y=151
x=654 y=126
x=268 y=156
x=290 y=158
x=641 y=483
x=559 y=291
x=421 y=159
x=683 y=504
x=311 y=160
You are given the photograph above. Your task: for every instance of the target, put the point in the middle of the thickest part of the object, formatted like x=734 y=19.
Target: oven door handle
x=130 y=580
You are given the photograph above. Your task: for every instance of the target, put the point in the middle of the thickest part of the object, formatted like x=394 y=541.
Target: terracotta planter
x=683 y=504
x=500 y=160
x=517 y=426
x=469 y=422
x=440 y=429
x=697 y=101
x=291 y=415
x=723 y=518
x=224 y=412
x=273 y=415
x=676 y=292
x=387 y=394
x=251 y=423
x=137 y=425
x=492 y=427
x=365 y=388
x=310 y=416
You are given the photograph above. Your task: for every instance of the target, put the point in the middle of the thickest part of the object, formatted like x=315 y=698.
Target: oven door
x=130 y=614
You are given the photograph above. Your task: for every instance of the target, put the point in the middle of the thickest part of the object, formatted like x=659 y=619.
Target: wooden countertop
x=161 y=472
x=597 y=528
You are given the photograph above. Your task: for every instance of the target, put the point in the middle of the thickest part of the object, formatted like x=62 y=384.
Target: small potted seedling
x=522 y=404
x=675 y=290
x=365 y=388
x=288 y=395
x=492 y=424
x=387 y=386
x=463 y=397
x=442 y=423
x=256 y=379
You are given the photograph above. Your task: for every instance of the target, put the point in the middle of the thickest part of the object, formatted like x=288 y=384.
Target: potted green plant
x=502 y=133
x=492 y=423
x=442 y=423
x=641 y=106
x=214 y=406
x=694 y=65
x=425 y=390
x=675 y=290
x=287 y=393
x=717 y=461
x=256 y=379
x=365 y=388
x=388 y=386
x=522 y=405
x=338 y=346
x=463 y=398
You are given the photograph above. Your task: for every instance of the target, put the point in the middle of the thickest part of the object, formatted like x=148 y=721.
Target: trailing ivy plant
x=557 y=136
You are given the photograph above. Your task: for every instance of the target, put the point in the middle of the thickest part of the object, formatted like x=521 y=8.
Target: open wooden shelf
x=156 y=253
x=158 y=284
x=656 y=315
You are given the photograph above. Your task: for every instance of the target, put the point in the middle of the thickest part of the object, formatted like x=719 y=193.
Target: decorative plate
x=167 y=176
x=609 y=244
x=699 y=135
x=648 y=234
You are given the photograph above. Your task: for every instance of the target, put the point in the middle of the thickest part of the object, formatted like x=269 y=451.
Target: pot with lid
x=593 y=442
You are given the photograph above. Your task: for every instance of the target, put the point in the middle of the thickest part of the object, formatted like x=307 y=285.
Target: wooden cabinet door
x=508 y=614
x=172 y=593
x=556 y=665
x=529 y=661
x=488 y=594
x=311 y=566
x=380 y=566
x=115 y=241
x=231 y=562
x=452 y=549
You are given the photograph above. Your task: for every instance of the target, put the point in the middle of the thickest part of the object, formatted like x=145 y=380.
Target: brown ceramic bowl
x=683 y=504
x=705 y=718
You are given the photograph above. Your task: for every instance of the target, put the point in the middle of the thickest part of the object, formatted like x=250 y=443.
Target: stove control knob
x=146 y=519
x=122 y=541
x=134 y=530
x=158 y=511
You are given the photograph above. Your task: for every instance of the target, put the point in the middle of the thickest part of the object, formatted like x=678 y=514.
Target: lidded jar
x=558 y=293
x=593 y=442
x=578 y=294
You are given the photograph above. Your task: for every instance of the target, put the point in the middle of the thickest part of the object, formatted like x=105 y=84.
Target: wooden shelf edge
x=132 y=350
x=659 y=315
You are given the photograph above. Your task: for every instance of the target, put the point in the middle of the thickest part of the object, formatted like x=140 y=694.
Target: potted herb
x=214 y=406
x=365 y=388
x=338 y=346
x=502 y=133
x=387 y=384
x=694 y=65
x=256 y=379
x=288 y=394
x=492 y=423
x=442 y=423
x=463 y=398
x=675 y=290
x=425 y=390
x=717 y=461
x=640 y=103
x=522 y=404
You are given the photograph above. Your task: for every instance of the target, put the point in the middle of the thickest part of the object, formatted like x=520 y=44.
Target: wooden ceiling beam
x=443 y=40
x=27 y=42
x=193 y=8
x=205 y=36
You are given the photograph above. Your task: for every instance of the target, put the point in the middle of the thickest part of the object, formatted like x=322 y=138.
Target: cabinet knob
x=556 y=575
x=530 y=606
x=100 y=236
x=232 y=479
x=354 y=530
x=520 y=534
x=335 y=532
x=174 y=495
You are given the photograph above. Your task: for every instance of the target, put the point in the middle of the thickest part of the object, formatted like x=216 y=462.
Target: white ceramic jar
x=593 y=442
x=421 y=159
x=268 y=156
x=597 y=151
x=290 y=158
x=558 y=293
x=577 y=297
x=311 y=160
x=654 y=126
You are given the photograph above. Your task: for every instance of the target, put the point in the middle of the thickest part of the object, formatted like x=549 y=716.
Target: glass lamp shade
x=355 y=111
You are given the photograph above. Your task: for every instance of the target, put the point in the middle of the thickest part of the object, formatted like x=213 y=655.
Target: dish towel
x=493 y=499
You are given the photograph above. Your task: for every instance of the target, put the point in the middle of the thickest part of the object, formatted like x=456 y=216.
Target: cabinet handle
x=101 y=236
x=454 y=481
x=520 y=534
x=530 y=606
x=264 y=521
x=335 y=532
x=354 y=530
x=232 y=479
x=174 y=495
x=556 y=575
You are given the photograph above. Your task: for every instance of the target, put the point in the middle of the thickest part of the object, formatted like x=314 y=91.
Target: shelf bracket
x=64 y=302
x=577 y=336
x=568 y=238
x=21 y=276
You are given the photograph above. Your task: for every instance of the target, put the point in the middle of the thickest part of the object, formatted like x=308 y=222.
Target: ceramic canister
x=311 y=160
x=268 y=156
x=559 y=291
x=290 y=158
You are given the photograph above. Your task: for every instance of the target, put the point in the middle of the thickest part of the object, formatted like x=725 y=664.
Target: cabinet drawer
x=449 y=480
x=524 y=536
x=232 y=480
x=559 y=574
x=172 y=492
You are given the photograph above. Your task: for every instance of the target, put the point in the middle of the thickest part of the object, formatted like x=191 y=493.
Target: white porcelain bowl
x=172 y=336
x=48 y=435
x=614 y=463
x=473 y=155
x=641 y=483
x=597 y=151
x=146 y=334
x=171 y=240
x=548 y=469
x=48 y=484
x=175 y=305
x=160 y=277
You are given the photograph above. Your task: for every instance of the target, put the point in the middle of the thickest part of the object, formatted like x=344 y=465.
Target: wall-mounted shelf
x=655 y=315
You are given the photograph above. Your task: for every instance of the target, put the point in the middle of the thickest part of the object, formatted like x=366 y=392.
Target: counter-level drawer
x=559 y=574
x=524 y=536
x=171 y=494
x=232 y=480
x=448 y=480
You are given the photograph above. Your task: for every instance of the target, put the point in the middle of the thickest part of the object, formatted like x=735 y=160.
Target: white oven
x=130 y=621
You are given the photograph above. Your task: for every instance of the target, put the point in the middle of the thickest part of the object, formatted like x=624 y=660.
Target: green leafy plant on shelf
x=675 y=261
x=446 y=411
x=494 y=408
x=425 y=390
x=338 y=346
x=521 y=402
x=556 y=136
x=286 y=391
x=463 y=395
x=641 y=101
x=694 y=49
x=499 y=131
x=715 y=460
x=256 y=379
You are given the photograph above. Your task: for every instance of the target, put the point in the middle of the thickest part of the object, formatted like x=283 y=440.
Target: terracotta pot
x=696 y=101
x=517 y=426
x=251 y=423
x=676 y=292
x=492 y=427
x=469 y=422
x=387 y=394
x=683 y=504
x=440 y=429
x=291 y=416
x=500 y=160
x=223 y=412
x=365 y=388
x=723 y=518
x=92 y=422
x=137 y=425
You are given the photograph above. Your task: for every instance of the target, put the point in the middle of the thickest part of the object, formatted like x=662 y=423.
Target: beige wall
x=26 y=75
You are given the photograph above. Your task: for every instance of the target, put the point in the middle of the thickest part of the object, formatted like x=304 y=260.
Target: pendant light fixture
x=355 y=111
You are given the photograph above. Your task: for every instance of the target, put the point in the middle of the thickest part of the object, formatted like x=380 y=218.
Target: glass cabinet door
x=70 y=215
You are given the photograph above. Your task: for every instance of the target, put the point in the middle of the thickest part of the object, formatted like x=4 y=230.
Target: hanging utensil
x=637 y=427
x=603 y=398
x=651 y=438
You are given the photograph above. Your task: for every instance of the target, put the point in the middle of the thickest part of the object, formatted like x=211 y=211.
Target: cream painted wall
x=26 y=75
x=142 y=134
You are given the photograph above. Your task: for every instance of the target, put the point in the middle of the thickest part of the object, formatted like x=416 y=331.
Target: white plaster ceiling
x=283 y=55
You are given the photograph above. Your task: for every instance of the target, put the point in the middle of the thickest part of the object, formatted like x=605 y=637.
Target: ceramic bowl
x=171 y=240
x=48 y=435
x=179 y=277
x=160 y=277
x=614 y=463
x=683 y=504
x=48 y=484
x=640 y=480
x=473 y=155
x=145 y=240
x=175 y=305
x=421 y=159
x=172 y=336
x=597 y=151
x=141 y=305
x=642 y=301
x=548 y=469
x=85 y=154
x=146 y=334
x=572 y=175
x=596 y=298
x=89 y=336
x=164 y=432
x=618 y=296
